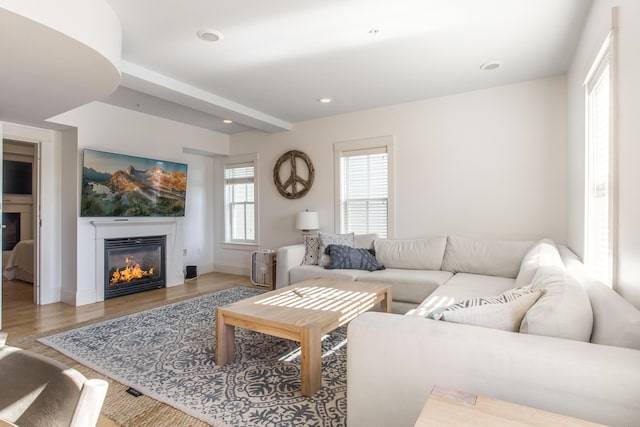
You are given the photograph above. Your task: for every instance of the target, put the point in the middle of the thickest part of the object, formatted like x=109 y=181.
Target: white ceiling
x=49 y=65
x=277 y=57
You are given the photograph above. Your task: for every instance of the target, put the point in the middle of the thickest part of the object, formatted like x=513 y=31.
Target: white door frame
x=35 y=207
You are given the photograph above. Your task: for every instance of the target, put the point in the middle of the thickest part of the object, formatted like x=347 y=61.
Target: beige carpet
x=120 y=407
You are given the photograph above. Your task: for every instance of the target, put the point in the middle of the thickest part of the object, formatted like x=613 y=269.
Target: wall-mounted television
x=118 y=185
x=16 y=177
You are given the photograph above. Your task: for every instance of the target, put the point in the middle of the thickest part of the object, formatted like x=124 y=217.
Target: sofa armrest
x=615 y=320
x=394 y=361
x=287 y=258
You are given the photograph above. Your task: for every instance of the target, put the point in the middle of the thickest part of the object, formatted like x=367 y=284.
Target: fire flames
x=130 y=272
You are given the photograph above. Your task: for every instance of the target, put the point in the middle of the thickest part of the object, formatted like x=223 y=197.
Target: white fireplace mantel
x=118 y=228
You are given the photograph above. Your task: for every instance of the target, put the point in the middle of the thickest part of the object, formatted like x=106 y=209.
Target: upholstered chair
x=38 y=391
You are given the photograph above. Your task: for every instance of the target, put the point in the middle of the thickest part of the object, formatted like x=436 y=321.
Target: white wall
x=199 y=227
x=69 y=215
x=595 y=31
x=485 y=164
x=110 y=128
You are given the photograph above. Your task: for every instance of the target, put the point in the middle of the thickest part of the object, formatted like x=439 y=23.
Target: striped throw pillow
x=503 y=312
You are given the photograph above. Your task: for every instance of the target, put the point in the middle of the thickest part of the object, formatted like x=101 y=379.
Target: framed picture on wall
x=118 y=185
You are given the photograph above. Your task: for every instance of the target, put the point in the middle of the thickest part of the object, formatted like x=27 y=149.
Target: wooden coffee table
x=304 y=313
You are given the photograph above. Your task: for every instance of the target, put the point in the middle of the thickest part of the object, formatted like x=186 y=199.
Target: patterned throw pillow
x=502 y=312
x=352 y=258
x=327 y=239
x=311 y=250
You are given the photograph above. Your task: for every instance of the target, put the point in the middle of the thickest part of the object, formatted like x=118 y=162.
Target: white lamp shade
x=307 y=221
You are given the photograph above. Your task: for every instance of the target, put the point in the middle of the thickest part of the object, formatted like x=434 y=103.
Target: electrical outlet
x=184 y=252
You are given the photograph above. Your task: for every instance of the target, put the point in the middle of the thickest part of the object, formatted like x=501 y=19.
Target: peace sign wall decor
x=294 y=185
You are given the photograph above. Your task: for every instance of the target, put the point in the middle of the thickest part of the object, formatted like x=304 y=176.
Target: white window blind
x=599 y=170
x=240 y=212
x=364 y=194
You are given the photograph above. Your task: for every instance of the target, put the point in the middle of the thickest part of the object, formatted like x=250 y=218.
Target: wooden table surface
x=447 y=407
x=304 y=313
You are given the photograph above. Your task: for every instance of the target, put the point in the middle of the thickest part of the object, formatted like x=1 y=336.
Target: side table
x=447 y=407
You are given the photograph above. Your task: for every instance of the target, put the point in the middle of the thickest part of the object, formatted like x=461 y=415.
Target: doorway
x=19 y=222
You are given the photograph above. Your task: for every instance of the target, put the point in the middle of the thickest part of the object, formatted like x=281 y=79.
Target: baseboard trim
x=232 y=269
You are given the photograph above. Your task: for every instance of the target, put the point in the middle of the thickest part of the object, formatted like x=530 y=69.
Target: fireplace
x=133 y=264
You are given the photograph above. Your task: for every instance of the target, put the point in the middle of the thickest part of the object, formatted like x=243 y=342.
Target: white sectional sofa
x=416 y=268
x=576 y=351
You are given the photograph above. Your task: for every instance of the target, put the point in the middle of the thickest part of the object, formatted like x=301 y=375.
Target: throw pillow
x=327 y=239
x=341 y=256
x=311 y=250
x=503 y=312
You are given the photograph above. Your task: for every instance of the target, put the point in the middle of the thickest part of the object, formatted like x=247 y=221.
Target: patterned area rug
x=167 y=353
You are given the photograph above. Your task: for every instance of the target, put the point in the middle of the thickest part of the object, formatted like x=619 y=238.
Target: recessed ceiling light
x=325 y=100
x=492 y=65
x=227 y=121
x=210 y=35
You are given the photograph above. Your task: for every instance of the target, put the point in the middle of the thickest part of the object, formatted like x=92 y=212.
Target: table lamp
x=307 y=221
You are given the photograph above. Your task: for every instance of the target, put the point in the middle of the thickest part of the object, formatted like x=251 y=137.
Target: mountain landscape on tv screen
x=132 y=192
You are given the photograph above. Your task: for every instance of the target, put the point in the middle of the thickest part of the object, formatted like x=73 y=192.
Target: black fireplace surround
x=133 y=264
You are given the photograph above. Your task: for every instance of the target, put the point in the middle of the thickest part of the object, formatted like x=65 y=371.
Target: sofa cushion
x=327 y=239
x=542 y=253
x=461 y=287
x=311 y=250
x=503 y=312
x=341 y=256
x=564 y=311
x=364 y=240
x=307 y=272
x=408 y=285
x=491 y=257
x=417 y=254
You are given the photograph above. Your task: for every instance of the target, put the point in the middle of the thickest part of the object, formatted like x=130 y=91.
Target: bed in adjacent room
x=20 y=263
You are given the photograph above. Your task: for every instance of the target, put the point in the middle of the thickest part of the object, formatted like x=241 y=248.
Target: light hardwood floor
x=20 y=317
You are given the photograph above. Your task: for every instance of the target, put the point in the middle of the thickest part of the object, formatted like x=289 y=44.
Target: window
x=364 y=199
x=600 y=230
x=240 y=201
